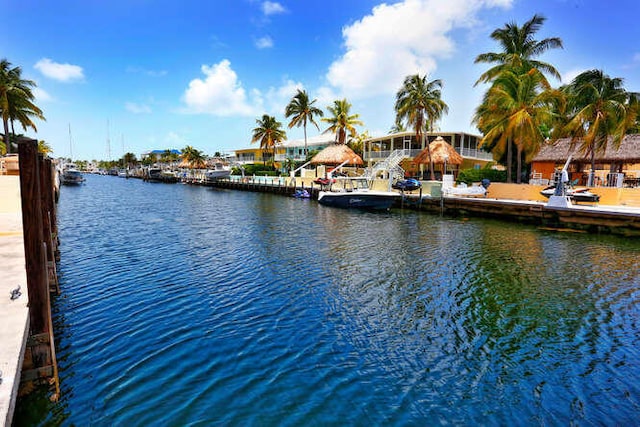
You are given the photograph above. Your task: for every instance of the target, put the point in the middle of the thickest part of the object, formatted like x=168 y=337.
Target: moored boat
x=219 y=171
x=71 y=176
x=575 y=194
x=346 y=192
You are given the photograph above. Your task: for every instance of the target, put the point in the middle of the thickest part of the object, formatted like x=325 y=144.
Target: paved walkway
x=14 y=314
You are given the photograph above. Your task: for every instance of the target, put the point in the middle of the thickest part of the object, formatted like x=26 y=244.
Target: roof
x=628 y=152
x=412 y=133
x=336 y=154
x=317 y=140
x=440 y=150
x=161 y=152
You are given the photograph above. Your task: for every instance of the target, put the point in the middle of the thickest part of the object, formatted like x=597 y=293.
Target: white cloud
x=136 y=108
x=264 y=42
x=175 y=140
x=41 y=95
x=60 y=72
x=219 y=93
x=272 y=8
x=400 y=39
x=277 y=98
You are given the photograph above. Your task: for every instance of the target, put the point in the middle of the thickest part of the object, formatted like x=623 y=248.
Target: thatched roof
x=185 y=164
x=336 y=154
x=628 y=152
x=439 y=149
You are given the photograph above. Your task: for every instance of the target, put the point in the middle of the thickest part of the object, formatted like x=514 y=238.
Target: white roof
x=322 y=139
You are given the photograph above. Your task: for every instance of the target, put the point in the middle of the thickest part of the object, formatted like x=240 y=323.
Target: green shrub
x=469 y=176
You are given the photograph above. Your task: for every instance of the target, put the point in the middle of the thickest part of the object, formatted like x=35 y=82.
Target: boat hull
x=359 y=200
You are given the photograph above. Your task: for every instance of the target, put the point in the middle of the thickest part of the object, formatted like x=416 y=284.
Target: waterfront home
x=380 y=148
x=614 y=167
x=288 y=149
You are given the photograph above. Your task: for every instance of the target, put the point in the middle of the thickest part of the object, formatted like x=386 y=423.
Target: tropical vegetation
x=301 y=111
x=419 y=103
x=599 y=111
x=342 y=122
x=193 y=158
x=16 y=101
x=268 y=133
x=518 y=105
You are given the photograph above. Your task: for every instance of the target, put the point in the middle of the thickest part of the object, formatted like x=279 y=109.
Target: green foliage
x=259 y=169
x=469 y=176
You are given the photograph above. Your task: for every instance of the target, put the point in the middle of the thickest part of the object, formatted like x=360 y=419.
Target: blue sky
x=137 y=75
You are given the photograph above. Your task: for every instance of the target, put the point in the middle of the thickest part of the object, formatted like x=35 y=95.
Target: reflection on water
x=185 y=305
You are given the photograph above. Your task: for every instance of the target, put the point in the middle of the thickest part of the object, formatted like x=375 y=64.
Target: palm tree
x=16 y=100
x=129 y=159
x=44 y=148
x=356 y=143
x=193 y=157
x=519 y=48
x=419 y=102
x=599 y=108
x=341 y=121
x=398 y=127
x=302 y=111
x=517 y=108
x=268 y=133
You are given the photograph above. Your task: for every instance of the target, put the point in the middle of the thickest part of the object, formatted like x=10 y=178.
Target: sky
x=123 y=76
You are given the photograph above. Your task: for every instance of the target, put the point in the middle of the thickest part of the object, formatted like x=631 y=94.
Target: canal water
x=185 y=305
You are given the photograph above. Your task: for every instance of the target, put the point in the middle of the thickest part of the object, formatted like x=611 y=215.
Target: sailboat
x=70 y=173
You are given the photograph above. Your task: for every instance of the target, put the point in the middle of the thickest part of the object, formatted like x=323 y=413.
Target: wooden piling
x=39 y=365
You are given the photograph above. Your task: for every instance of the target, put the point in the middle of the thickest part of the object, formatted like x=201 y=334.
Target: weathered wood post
x=46 y=203
x=39 y=361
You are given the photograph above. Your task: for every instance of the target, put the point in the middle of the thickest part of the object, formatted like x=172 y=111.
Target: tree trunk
x=593 y=168
x=509 y=160
x=519 y=164
x=305 y=141
x=7 y=138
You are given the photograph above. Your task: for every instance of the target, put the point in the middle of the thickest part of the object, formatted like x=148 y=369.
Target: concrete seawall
x=14 y=313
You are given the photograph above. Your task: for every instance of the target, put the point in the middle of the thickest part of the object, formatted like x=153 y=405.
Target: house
x=379 y=148
x=614 y=167
x=293 y=149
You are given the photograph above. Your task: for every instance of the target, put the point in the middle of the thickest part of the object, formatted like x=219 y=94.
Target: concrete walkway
x=14 y=314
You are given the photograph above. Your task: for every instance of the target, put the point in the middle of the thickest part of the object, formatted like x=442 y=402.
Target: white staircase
x=391 y=164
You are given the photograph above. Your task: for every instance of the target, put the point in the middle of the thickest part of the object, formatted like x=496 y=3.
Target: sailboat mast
x=70 y=144
x=108 y=143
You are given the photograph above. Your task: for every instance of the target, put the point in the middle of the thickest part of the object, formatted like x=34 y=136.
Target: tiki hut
x=336 y=154
x=440 y=150
x=187 y=164
x=625 y=159
x=441 y=153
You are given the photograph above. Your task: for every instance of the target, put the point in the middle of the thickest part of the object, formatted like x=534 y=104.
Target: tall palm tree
x=268 y=133
x=517 y=108
x=519 y=48
x=341 y=121
x=302 y=111
x=419 y=102
x=599 y=108
x=16 y=100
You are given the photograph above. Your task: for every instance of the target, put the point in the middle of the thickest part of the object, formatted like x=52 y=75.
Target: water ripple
x=187 y=306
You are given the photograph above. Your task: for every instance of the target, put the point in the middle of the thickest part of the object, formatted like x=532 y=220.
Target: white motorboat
x=219 y=171
x=355 y=192
x=71 y=176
